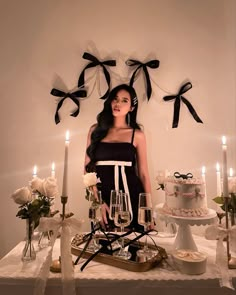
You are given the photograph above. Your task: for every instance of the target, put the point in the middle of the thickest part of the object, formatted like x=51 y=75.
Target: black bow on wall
x=178 y=98
x=73 y=96
x=95 y=62
x=153 y=64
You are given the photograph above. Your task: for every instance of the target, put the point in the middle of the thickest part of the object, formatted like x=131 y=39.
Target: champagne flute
x=145 y=219
x=114 y=204
x=122 y=219
x=95 y=217
x=113 y=209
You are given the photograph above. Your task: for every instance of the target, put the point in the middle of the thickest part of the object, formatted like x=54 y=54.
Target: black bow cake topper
x=153 y=64
x=178 y=98
x=73 y=96
x=183 y=176
x=95 y=62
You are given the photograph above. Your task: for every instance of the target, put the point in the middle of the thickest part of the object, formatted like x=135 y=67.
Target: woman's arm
x=140 y=143
x=104 y=207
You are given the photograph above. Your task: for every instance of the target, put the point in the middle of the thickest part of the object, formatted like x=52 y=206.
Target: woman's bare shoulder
x=139 y=133
x=139 y=137
x=91 y=129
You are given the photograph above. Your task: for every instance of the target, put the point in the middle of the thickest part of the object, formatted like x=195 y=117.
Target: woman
x=116 y=150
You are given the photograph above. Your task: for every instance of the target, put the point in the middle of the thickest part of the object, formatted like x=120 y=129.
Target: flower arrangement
x=36 y=199
x=91 y=183
x=220 y=200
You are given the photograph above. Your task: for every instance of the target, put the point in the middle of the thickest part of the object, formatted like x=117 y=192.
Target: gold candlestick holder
x=231 y=260
x=56 y=264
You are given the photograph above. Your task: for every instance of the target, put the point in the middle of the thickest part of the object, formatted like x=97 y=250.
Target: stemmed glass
x=145 y=219
x=113 y=209
x=122 y=219
x=114 y=204
x=95 y=217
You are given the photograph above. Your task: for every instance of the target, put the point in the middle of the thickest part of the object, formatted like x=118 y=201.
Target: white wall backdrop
x=42 y=43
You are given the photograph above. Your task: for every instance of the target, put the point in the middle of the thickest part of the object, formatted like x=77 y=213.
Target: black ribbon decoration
x=153 y=64
x=95 y=62
x=184 y=176
x=111 y=237
x=73 y=96
x=178 y=98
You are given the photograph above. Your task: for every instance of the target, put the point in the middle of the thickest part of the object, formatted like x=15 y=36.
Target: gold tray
x=130 y=265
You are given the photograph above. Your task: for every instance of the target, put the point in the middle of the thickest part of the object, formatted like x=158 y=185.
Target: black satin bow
x=184 y=176
x=73 y=96
x=178 y=98
x=95 y=62
x=153 y=64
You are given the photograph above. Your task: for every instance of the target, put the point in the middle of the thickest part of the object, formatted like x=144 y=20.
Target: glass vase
x=29 y=253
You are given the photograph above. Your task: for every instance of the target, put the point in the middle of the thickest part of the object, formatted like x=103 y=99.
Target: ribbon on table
x=178 y=98
x=66 y=226
x=192 y=255
x=95 y=62
x=184 y=176
x=214 y=232
x=73 y=96
x=153 y=64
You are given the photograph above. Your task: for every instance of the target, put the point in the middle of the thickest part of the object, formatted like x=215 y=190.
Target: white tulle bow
x=214 y=232
x=67 y=271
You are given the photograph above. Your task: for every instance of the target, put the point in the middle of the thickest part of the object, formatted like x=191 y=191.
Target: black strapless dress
x=119 y=151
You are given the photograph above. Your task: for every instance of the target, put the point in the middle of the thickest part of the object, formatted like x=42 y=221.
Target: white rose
x=22 y=195
x=50 y=188
x=36 y=184
x=161 y=176
x=232 y=185
x=90 y=179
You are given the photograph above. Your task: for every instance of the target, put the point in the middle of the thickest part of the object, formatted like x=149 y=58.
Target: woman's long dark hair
x=105 y=121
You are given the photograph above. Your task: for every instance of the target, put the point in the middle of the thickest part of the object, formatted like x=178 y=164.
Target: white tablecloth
x=19 y=278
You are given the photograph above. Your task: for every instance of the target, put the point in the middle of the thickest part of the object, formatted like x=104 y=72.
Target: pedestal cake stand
x=184 y=238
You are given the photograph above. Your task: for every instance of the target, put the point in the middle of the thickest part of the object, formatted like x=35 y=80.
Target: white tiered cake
x=185 y=197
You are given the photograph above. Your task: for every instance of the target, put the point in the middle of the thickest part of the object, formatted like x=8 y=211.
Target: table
x=18 y=278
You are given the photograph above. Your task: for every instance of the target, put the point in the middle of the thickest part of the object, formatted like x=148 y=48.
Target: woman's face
x=121 y=104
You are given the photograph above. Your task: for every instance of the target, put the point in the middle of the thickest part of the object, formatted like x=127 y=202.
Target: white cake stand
x=184 y=238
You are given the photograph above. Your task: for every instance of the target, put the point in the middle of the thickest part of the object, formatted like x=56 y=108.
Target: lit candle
x=53 y=170
x=35 y=171
x=65 y=176
x=224 y=170
x=231 y=172
x=204 y=173
x=204 y=177
x=218 y=180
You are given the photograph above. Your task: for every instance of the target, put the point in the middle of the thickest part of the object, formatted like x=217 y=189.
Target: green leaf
x=219 y=200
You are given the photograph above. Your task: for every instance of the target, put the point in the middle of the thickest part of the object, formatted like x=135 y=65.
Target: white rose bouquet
x=91 y=183
x=36 y=199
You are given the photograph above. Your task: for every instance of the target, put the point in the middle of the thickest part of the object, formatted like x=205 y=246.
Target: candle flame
x=223 y=140
x=203 y=169
x=231 y=172
x=35 y=170
x=53 y=166
x=67 y=136
x=217 y=167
